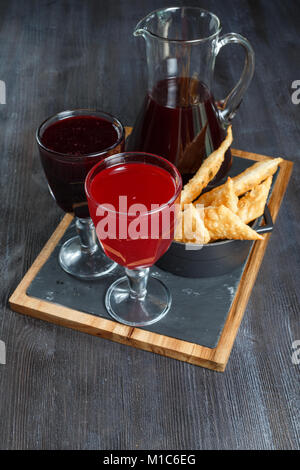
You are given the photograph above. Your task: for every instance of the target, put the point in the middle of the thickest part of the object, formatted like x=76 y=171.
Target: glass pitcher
x=179 y=119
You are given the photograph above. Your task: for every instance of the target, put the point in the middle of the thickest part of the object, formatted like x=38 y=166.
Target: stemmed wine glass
x=70 y=144
x=133 y=201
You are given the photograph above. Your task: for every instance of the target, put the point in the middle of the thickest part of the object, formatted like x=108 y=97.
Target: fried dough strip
x=224 y=224
x=206 y=172
x=227 y=197
x=245 y=181
x=191 y=228
x=252 y=205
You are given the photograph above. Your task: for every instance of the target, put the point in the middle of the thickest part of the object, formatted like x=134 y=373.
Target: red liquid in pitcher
x=179 y=121
x=141 y=183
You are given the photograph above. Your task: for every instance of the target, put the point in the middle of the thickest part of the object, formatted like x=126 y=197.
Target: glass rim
x=80 y=112
x=181 y=41
x=89 y=177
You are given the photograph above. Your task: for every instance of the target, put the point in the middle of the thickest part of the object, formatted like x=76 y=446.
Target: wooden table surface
x=61 y=389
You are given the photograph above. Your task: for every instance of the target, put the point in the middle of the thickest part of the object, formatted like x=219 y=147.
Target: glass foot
x=84 y=264
x=133 y=311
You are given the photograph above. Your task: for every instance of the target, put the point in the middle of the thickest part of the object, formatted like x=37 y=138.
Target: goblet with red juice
x=133 y=202
x=70 y=144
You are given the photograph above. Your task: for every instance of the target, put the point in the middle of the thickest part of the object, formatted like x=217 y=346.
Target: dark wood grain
x=61 y=389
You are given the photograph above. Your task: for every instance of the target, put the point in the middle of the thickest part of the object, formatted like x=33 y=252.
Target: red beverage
x=69 y=148
x=179 y=121
x=141 y=183
x=80 y=135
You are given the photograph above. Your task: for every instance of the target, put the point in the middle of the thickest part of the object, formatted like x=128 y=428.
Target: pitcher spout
x=139 y=32
x=141 y=28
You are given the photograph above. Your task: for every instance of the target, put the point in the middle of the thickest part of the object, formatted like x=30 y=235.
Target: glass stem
x=137 y=279
x=87 y=234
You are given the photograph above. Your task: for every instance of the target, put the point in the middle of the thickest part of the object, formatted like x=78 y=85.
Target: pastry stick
x=245 y=181
x=191 y=228
x=206 y=172
x=227 y=197
x=224 y=224
x=252 y=205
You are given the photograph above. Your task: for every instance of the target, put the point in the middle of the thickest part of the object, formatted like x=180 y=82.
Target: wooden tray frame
x=215 y=359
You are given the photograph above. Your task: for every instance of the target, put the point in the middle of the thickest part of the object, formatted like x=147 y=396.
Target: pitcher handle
x=234 y=99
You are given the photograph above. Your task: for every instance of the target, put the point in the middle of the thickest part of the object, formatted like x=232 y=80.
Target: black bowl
x=210 y=260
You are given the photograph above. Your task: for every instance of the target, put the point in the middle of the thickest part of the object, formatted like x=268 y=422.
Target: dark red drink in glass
x=70 y=144
x=69 y=147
